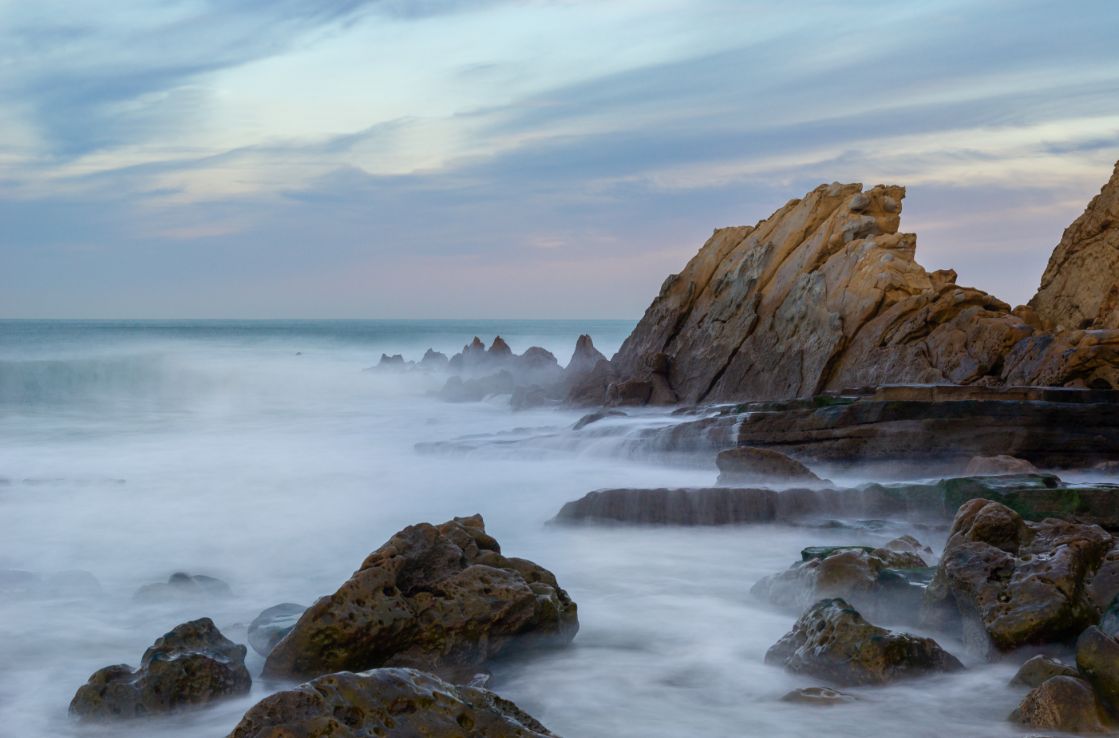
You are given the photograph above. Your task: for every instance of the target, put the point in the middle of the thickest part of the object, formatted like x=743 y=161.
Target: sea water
x=261 y=453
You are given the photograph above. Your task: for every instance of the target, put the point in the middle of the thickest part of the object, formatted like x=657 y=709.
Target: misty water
x=262 y=454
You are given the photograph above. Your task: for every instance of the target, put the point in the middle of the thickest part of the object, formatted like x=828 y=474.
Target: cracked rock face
x=826 y=294
x=1080 y=287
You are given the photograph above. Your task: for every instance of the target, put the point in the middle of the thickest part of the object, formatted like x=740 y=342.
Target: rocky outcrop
x=833 y=642
x=882 y=583
x=747 y=465
x=1033 y=496
x=386 y=702
x=190 y=666
x=826 y=294
x=1003 y=582
x=441 y=598
x=1080 y=287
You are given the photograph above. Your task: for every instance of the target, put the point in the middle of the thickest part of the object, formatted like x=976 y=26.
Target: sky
x=535 y=159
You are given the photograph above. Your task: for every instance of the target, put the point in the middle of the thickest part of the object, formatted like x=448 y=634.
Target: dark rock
x=594 y=417
x=1001 y=464
x=536 y=359
x=181 y=585
x=817 y=696
x=499 y=349
x=1039 y=669
x=631 y=392
x=583 y=360
x=1097 y=658
x=396 y=361
x=747 y=465
x=267 y=628
x=386 y=702
x=833 y=642
x=1062 y=703
x=1109 y=623
x=1006 y=583
x=190 y=666
x=438 y=597
x=434 y=360
x=588 y=388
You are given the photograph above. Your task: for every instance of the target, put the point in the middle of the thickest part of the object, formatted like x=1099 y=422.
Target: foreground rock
x=1004 y=582
x=1062 y=703
x=884 y=583
x=190 y=666
x=1080 y=287
x=746 y=465
x=271 y=625
x=826 y=294
x=441 y=598
x=1034 y=497
x=390 y=703
x=1040 y=669
x=833 y=642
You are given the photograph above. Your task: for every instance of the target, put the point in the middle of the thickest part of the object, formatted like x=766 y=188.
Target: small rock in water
x=266 y=630
x=818 y=696
x=746 y=465
x=183 y=586
x=386 y=702
x=594 y=417
x=190 y=666
x=833 y=642
x=1040 y=669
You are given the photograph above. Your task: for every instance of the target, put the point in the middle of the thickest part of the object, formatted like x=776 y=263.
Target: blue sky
x=446 y=158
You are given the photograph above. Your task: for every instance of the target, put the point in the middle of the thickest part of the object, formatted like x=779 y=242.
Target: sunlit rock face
x=826 y=294
x=1080 y=287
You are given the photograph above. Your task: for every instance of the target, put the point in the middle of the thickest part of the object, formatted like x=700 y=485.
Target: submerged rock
x=818 y=697
x=181 y=585
x=1004 y=582
x=392 y=703
x=267 y=628
x=747 y=465
x=596 y=416
x=1039 y=669
x=190 y=666
x=833 y=642
x=1062 y=703
x=442 y=598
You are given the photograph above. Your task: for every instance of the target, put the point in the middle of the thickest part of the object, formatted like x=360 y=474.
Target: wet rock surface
x=1003 y=582
x=747 y=465
x=188 y=667
x=1001 y=464
x=391 y=703
x=818 y=697
x=1039 y=669
x=441 y=598
x=833 y=642
x=271 y=625
x=1062 y=703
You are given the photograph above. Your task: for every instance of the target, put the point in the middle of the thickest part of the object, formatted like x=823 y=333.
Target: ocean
x=261 y=453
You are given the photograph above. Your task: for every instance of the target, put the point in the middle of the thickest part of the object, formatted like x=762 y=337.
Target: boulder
x=833 y=642
x=1062 y=703
x=1109 y=622
x=1002 y=464
x=1080 y=286
x=393 y=703
x=1003 y=582
x=746 y=465
x=271 y=625
x=442 y=598
x=818 y=697
x=1097 y=658
x=190 y=666
x=1039 y=669
x=183 y=586
x=826 y=294
x=499 y=350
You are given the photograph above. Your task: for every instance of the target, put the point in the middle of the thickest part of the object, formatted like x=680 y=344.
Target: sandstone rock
x=583 y=359
x=393 y=703
x=818 y=697
x=1039 y=669
x=1006 y=583
x=499 y=349
x=188 y=667
x=267 y=628
x=180 y=586
x=745 y=465
x=1080 y=287
x=589 y=388
x=833 y=642
x=442 y=598
x=1062 y=703
x=1001 y=464
x=1097 y=658
x=826 y=294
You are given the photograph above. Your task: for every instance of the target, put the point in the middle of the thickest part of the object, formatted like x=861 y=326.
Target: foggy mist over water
x=260 y=453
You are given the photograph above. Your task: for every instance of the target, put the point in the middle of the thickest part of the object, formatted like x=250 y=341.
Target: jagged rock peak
x=585 y=355
x=499 y=348
x=1080 y=287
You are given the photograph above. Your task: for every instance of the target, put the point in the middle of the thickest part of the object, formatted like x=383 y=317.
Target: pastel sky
x=547 y=158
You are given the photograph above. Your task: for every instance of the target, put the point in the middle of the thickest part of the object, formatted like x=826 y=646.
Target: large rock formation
x=441 y=598
x=826 y=294
x=1080 y=287
x=386 y=702
x=190 y=666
